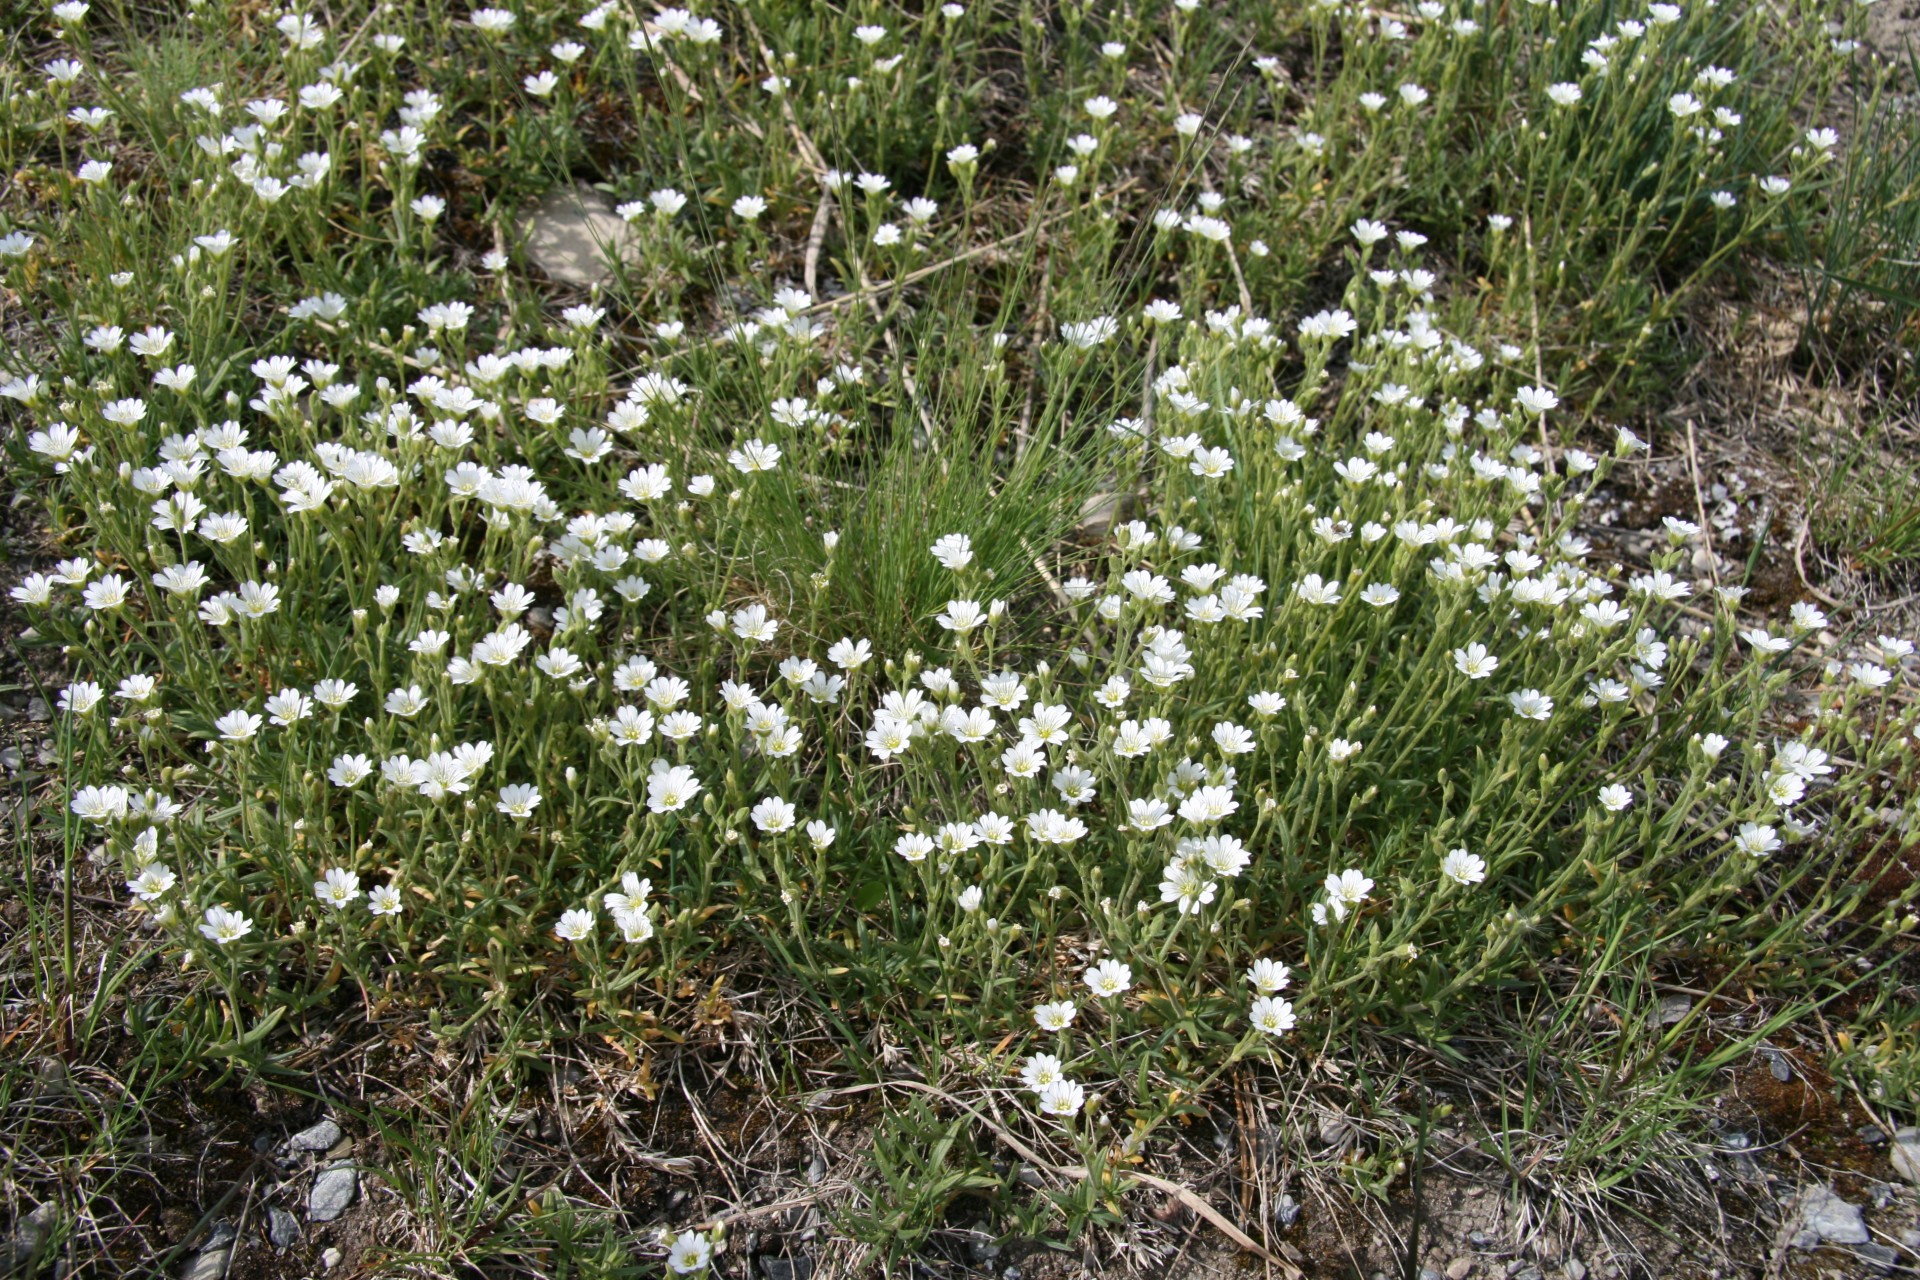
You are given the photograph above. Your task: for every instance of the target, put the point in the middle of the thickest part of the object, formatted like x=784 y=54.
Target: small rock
x=1871 y=1134
x=30 y=1235
x=220 y=1235
x=316 y=1137
x=1526 y=1271
x=1905 y=1154
x=1575 y=1269
x=1778 y=1063
x=776 y=1268
x=1478 y=1239
x=1334 y=1130
x=1910 y=1240
x=1459 y=1268
x=282 y=1228
x=1671 y=1009
x=1428 y=1273
x=1827 y=1217
x=208 y=1264
x=982 y=1251
x=331 y=1259
x=1286 y=1211
x=574 y=236
x=1102 y=511
x=1881 y=1193
x=333 y=1191
x=1878 y=1256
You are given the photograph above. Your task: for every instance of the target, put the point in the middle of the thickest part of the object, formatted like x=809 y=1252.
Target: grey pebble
x=1826 y=1217
x=1906 y=1154
x=315 y=1137
x=282 y=1228
x=1879 y=1256
x=208 y=1264
x=333 y=1191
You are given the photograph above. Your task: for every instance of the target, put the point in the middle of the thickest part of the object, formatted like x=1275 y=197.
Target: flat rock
x=29 y=1237
x=316 y=1137
x=1905 y=1154
x=282 y=1228
x=1671 y=1009
x=208 y=1264
x=1821 y=1214
x=574 y=236
x=333 y=1191
x=1879 y=1256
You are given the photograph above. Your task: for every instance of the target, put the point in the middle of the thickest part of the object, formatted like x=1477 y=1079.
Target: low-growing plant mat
x=996 y=639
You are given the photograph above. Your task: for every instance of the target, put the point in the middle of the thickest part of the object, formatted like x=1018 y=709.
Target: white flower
x=1312 y=590
x=954 y=551
x=1041 y=1070
x=1462 y=867
x=670 y=788
x=337 y=888
x=749 y=208
x=238 y=725
x=1756 y=840
x=1614 y=797
x=1232 y=739
x=1109 y=978
x=1271 y=1015
x=1531 y=704
x=1379 y=595
x=518 y=800
x=223 y=926
x=773 y=815
x=1062 y=1098
x=1346 y=891
x=690 y=1253
x=574 y=926
x=1085 y=334
x=961 y=616
x=753 y=623
x=154 y=881
x=1054 y=1016
x=1269 y=977
x=100 y=804
x=1536 y=400
x=1474 y=662
x=755 y=456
